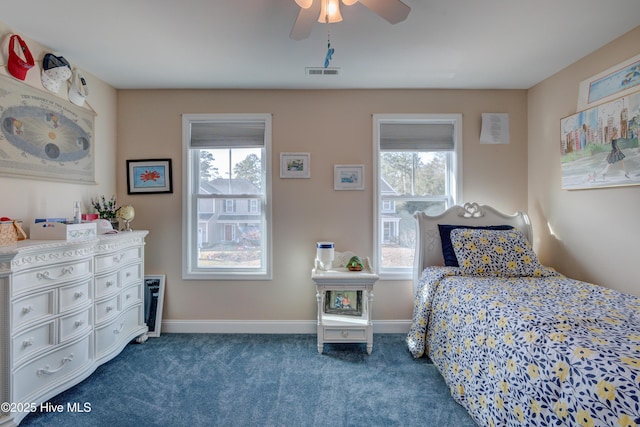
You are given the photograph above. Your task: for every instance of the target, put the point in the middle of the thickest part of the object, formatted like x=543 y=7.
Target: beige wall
x=594 y=231
x=587 y=234
x=335 y=127
x=591 y=235
x=27 y=199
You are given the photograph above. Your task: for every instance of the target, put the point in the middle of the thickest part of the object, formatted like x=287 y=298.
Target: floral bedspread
x=531 y=351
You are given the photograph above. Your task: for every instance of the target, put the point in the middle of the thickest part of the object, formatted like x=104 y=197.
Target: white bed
x=530 y=348
x=429 y=245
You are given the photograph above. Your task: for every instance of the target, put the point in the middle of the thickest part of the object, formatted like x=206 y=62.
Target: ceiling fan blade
x=305 y=20
x=393 y=11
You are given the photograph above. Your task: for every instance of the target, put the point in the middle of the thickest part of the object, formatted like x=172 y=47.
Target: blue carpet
x=260 y=380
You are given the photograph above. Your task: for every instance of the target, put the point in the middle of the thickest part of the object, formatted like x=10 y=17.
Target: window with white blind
x=226 y=196
x=417 y=167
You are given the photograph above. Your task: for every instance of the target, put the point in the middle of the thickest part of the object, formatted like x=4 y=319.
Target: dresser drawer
x=344 y=334
x=74 y=324
x=107 y=261
x=50 y=275
x=111 y=335
x=107 y=309
x=50 y=369
x=106 y=285
x=32 y=308
x=74 y=296
x=131 y=274
x=131 y=295
x=32 y=340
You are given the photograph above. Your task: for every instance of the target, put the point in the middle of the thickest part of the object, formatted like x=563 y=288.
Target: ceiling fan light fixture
x=349 y=2
x=305 y=4
x=330 y=12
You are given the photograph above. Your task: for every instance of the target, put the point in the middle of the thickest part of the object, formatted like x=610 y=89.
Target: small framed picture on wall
x=295 y=165
x=348 y=177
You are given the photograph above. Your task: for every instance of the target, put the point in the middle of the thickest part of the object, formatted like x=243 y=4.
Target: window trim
x=190 y=233
x=455 y=187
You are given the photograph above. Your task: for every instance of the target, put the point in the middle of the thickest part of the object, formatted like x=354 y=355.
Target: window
x=388 y=205
x=417 y=167
x=254 y=206
x=226 y=196
x=229 y=205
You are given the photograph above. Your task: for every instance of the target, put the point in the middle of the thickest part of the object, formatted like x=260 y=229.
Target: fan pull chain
x=330 y=50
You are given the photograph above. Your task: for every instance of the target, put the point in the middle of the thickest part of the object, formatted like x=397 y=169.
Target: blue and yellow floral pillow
x=448 y=254
x=495 y=253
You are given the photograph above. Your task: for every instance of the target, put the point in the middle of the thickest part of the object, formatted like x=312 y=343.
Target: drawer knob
x=27 y=309
x=79 y=323
x=109 y=308
x=345 y=334
x=127 y=296
x=110 y=283
x=78 y=295
x=28 y=343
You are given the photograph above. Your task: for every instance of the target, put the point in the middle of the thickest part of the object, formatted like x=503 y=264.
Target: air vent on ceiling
x=319 y=71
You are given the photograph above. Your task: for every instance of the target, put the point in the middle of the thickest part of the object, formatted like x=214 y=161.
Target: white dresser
x=66 y=307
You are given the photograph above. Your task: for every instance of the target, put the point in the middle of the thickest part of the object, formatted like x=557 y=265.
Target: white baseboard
x=268 y=326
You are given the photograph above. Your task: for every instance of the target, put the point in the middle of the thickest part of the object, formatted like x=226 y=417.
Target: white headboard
x=428 y=244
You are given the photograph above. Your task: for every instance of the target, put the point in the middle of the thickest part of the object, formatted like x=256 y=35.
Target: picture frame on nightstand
x=343 y=302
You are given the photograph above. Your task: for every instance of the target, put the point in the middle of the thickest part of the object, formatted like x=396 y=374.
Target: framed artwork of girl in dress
x=599 y=146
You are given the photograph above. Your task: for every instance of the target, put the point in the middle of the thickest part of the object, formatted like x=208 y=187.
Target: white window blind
x=223 y=134
x=416 y=136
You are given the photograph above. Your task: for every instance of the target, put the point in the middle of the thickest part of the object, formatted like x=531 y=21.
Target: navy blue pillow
x=449 y=255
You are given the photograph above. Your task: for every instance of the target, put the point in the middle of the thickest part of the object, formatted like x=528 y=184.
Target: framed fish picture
x=149 y=176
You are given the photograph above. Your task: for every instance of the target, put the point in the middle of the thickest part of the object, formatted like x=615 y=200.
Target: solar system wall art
x=44 y=136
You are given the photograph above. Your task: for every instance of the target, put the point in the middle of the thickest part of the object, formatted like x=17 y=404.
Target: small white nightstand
x=349 y=322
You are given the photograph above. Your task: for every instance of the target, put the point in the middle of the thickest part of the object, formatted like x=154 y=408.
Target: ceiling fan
x=328 y=11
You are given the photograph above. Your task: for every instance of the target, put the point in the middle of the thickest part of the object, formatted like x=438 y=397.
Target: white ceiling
x=469 y=44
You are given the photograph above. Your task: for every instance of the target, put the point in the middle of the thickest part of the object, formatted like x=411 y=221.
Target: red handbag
x=17 y=66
